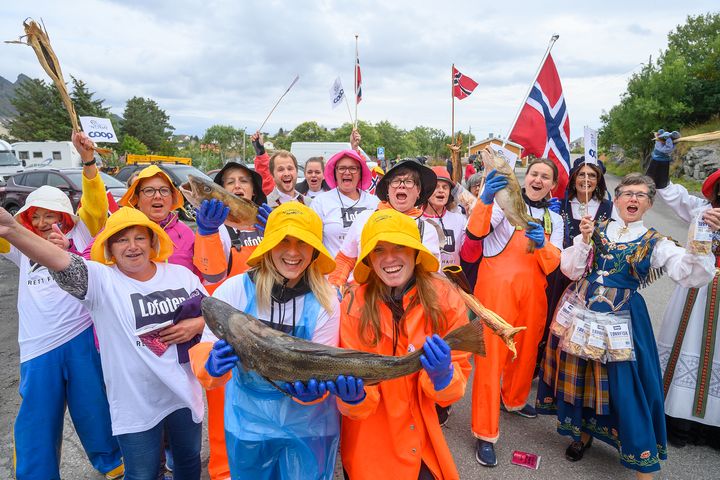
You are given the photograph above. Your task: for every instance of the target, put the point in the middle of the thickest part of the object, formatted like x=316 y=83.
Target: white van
x=47 y=154
x=305 y=150
x=9 y=163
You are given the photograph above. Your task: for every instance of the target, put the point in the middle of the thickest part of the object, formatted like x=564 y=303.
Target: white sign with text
x=99 y=129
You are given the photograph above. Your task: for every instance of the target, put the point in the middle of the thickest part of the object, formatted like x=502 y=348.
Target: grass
x=633 y=165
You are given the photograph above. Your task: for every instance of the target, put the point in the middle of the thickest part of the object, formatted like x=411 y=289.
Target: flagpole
x=347 y=103
x=355 y=68
x=452 y=96
x=553 y=39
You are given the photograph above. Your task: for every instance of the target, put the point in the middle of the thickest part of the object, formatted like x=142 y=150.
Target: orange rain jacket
x=396 y=425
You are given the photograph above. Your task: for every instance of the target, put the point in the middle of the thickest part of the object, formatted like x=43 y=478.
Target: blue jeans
x=141 y=450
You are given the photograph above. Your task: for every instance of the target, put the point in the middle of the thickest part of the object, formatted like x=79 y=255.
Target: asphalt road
x=530 y=435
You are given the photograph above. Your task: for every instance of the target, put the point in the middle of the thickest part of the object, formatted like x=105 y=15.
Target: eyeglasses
x=150 y=191
x=353 y=169
x=407 y=182
x=639 y=195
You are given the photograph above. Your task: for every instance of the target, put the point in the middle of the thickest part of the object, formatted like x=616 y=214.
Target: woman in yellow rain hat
x=268 y=434
x=132 y=292
x=400 y=306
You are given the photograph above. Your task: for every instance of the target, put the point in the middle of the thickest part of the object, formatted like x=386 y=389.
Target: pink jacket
x=183 y=239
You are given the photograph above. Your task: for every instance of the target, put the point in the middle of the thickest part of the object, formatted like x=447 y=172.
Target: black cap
x=428 y=180
x=258 y=196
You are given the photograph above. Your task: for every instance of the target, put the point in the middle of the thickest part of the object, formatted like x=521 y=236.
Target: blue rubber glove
x=437 y=361
x=554 y=205
x=210 y=215
x=536 y=234
x=221 y=360
x=313 y=391
x=493 y=184
x=664 y=145
x=349 y=389
x=262 y=216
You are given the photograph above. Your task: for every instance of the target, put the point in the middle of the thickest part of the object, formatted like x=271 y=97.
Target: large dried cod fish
x=37 y=38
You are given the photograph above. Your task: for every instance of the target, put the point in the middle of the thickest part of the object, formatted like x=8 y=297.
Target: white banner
x=509 y=156
x=337 y=93
x=591 y=155
x=99 y=129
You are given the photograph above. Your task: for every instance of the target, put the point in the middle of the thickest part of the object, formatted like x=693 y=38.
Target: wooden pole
x=553 y=39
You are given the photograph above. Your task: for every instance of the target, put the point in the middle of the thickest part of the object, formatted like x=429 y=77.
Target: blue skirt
x=632 y=418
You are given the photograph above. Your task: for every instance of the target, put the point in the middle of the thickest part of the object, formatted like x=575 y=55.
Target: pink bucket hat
x=365 y=175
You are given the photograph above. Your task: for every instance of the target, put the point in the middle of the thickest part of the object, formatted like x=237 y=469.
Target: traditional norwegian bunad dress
x=620 y=403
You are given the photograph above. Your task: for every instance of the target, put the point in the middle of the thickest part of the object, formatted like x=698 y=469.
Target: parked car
x=178 y=173
x=17 y=187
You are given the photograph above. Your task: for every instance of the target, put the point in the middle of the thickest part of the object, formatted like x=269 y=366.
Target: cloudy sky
x=225 y=61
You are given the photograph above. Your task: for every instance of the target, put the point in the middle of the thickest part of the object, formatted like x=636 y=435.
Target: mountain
x=7 y=92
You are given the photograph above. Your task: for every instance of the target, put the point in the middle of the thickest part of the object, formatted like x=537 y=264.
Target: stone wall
x=700 y=161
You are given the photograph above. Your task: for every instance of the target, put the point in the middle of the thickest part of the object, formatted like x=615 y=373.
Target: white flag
x=337 y=93
x=591 y=146
x=510 y=157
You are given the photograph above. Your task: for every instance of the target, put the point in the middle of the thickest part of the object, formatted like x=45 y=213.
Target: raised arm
x=94 y=203
x=33 y=246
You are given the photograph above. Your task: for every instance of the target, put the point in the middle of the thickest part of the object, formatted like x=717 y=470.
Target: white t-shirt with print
x=453 y=225
x=327 y=326
x=142 y=388
x=48 y=316
x=338 y=212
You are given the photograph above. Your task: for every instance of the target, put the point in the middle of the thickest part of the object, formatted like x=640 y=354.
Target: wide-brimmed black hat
x=428 y=180
x=258 y=196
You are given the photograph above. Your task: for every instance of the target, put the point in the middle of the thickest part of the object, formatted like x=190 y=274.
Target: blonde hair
x=267 y=275
x=376 y=292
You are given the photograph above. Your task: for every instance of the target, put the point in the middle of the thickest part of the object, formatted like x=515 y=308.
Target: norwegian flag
x=358 y=80
x=463 y=85
x=543 y=127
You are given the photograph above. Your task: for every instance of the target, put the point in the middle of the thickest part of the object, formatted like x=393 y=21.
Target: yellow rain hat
x=129 y=217
x=130 y=198
x=293 y=219
x=389 y=225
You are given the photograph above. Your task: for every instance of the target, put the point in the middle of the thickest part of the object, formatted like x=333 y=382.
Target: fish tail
x=468 y=338
x=509 y=334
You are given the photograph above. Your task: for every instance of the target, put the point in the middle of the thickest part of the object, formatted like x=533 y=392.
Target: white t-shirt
x=351 y=245
x=48 y=316
x=453 y=225
x=142 y=388
x=327 y=326
x=338 y=212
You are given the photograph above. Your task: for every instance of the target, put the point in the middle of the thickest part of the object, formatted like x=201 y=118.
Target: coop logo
x=156 y=307
x=107 y=135
x=338 y=98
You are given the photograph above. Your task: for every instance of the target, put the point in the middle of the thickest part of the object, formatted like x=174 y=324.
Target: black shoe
x=576 y=450
x=528 y=411
x=443 y=414
x=485 y=454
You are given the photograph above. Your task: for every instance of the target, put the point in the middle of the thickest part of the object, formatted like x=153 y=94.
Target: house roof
x=487 y=140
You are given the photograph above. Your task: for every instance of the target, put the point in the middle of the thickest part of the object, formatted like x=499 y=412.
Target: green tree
x=226 y=137
x=146 y=121
x=41 y=115
x=368 y=133
x=309 y=132
x=132 y=145
x=697 y=45
x=85 y=104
